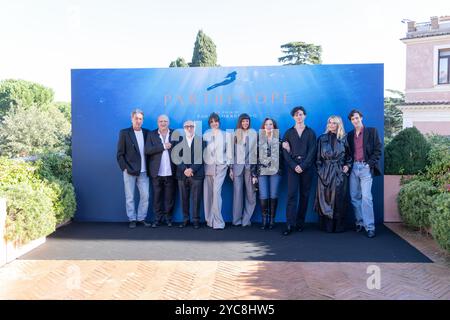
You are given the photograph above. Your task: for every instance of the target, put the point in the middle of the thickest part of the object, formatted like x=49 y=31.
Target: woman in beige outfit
x=217 y=160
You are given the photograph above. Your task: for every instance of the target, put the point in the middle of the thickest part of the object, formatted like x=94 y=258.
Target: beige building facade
x=427 y=87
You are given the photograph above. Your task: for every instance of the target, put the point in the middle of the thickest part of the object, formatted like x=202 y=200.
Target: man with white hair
x=162 y=171
x=188 y=156
x=132 y=162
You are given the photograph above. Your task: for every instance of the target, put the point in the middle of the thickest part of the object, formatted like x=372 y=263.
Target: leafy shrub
x=32 y=131
x=39 y=195
x=438 y=169
x=406 y=153
x=53 y=166
x=57 y=170
x=65 y=108
x=30 y=212
x=440 y=219
x=414 y=201
x=64 y=203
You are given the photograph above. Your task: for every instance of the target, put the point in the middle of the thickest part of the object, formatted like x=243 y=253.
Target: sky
x=42 y=40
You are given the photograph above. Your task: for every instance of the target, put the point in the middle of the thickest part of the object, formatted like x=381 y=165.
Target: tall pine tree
x=204 y=52
x=300 y=53
x=393 y=117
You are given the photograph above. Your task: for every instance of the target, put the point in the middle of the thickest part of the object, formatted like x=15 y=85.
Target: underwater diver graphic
x=228 y=79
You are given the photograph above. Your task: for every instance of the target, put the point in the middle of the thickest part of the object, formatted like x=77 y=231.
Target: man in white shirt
x=133 y=163
x=162 y=171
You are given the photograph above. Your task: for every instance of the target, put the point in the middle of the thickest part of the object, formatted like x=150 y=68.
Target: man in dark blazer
x=162 y=171
x=188 y=156
x=365 y=146
x=132 y=162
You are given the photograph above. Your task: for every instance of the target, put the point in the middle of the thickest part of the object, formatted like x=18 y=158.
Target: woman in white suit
x=217 y=158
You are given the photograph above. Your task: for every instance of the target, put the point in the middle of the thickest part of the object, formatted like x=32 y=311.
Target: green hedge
x=55 y=166
x=406 y=153
x=440 y=219
x=57 y=170
x=414 y=202
x=64 y=203
x=30 y=212
x=39 y=195
x=424 y=201
x=438 y=169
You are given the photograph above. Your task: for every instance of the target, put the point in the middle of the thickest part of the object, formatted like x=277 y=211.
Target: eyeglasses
x=189 y=126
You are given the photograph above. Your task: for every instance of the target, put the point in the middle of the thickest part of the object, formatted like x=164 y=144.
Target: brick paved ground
x=30 y=279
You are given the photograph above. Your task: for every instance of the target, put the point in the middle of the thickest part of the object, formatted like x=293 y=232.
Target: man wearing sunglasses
x=188 y=157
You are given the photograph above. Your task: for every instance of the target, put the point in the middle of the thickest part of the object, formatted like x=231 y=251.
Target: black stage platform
x=115 y=241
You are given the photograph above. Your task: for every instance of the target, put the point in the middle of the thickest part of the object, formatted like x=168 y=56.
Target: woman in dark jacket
x=269 y=170
x=333 y=165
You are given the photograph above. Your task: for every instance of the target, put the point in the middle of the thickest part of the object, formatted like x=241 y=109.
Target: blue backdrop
x=103 y=98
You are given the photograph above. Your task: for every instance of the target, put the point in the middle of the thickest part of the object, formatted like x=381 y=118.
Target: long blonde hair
x=340 y=129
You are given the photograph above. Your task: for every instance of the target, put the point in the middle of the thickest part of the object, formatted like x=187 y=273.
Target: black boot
x=264 y=212
x=273 y=210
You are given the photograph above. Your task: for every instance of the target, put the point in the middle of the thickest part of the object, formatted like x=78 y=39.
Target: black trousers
x=191 y=187
x=298 y=184
x=163 y=197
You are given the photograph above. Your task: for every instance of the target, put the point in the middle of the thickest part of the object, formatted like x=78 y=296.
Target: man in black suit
x=132 y=162
x=188 y=156
x=162 y=170
x=365 y=146
x=299 y=152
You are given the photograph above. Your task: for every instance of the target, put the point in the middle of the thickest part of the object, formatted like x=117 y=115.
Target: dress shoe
x=146 y=224
x=288 y=231
x=196 y=225
x=359 y=228
x=184 y=224
x=299 y=228
x=155 y=225
x=169 y=223
x=371 y=234
x=132 y=224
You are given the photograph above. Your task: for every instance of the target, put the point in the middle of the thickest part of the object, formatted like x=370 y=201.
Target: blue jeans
x=361 y=195
x=142 y=182
x=268 y=186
